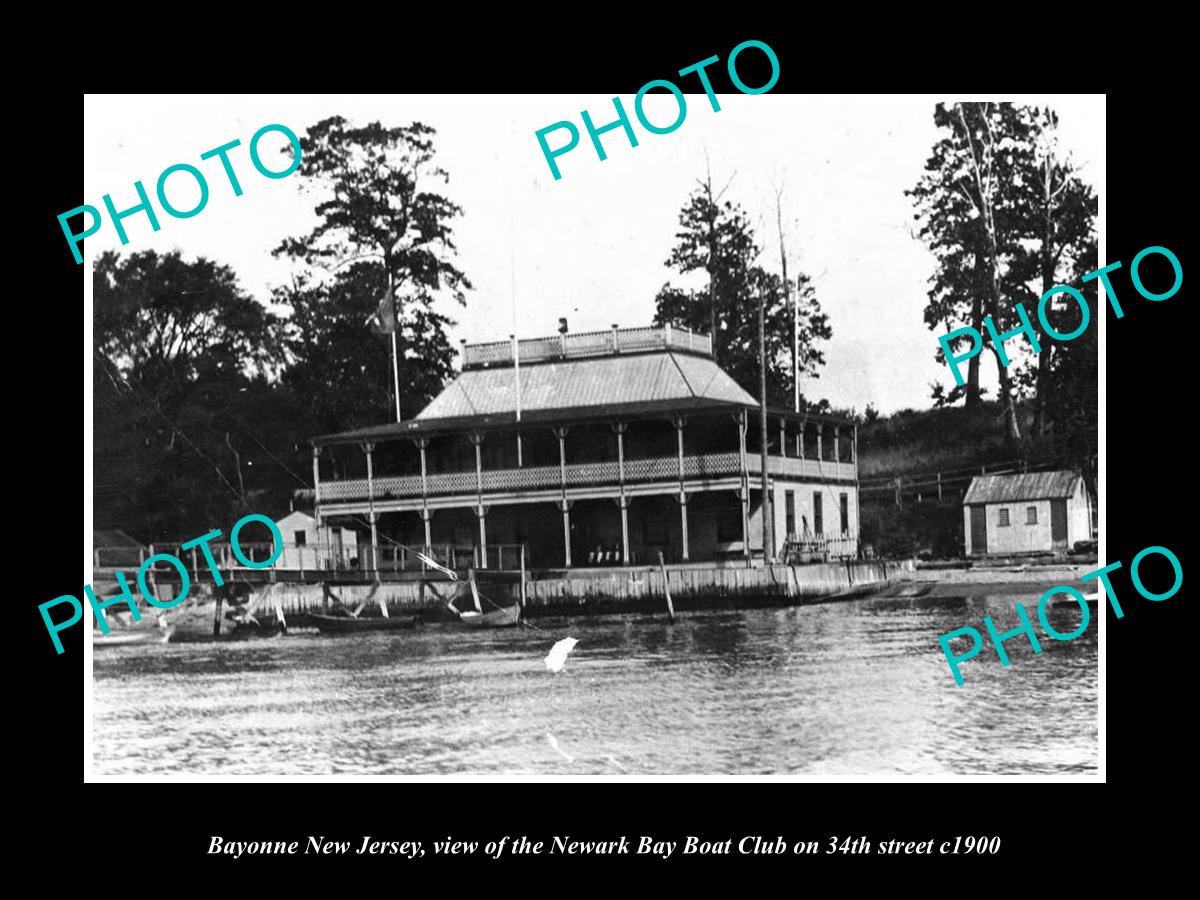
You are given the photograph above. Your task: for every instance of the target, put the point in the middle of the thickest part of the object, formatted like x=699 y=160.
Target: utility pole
x=794 y=306
x=768 y=508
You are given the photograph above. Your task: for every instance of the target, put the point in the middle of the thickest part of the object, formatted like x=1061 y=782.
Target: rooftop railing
x=586 y=344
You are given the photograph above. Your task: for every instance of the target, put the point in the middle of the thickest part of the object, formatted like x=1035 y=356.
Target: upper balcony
x=585 y=344
x=698 y=470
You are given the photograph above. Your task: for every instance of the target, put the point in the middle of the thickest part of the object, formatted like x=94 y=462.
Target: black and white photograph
x=692 y=433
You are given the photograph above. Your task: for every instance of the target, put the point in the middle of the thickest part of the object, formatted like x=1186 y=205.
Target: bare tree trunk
x=974 y=398
x=982 y=162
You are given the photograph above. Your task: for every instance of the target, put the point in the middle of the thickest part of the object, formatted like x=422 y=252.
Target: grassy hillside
x=913 y=441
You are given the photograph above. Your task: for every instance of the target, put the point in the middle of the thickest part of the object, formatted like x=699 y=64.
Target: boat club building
x=599 y=448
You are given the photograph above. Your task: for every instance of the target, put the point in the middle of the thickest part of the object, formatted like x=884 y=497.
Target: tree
x=383 y=235
x=966 y=204
x=1056 y=214
x=717 y=238
x=180 y=369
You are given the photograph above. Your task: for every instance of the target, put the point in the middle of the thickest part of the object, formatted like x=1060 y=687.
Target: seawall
x=584 y=591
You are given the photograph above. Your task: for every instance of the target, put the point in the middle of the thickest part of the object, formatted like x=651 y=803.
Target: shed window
x=1004 y=517
x=1031 y=515
x=301 y=538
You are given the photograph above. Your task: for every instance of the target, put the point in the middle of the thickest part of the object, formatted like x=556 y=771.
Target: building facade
x=1037 y=512
x=589 y=449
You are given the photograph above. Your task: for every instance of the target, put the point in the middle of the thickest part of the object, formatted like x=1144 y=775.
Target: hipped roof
x=606 y=387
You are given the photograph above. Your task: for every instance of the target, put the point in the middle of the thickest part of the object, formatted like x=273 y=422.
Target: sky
x=592 y=246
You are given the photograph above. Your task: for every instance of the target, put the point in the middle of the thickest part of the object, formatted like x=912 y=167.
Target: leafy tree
x=966 y=205
x=1056 y=214
x=717 y=238
x=189 y=432
x=383 y=233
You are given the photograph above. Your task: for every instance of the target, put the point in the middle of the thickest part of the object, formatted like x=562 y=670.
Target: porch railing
x=666 y=468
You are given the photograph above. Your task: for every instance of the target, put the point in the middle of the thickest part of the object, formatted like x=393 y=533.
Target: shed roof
x=1028 y=486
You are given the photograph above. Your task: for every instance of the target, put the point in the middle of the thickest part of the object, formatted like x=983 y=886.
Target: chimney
x=615 y=348
x=562 y=325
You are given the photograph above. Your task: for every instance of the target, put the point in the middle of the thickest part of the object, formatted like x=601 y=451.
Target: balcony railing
x=587 y=343
x=533 y=478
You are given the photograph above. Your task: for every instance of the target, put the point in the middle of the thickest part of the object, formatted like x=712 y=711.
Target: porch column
x=482 y=513
x=427 y=518
x=317 y=488
x=564 y=504
x=683 y=502
x=745 y=486
x=854 y=447
x=369 y=449
x=837 y=443
x=782 y=436
x=820 y=442
x=477 y=440
x=426 y=515
x=679 y=422
x=620 y=428
x=800 y=438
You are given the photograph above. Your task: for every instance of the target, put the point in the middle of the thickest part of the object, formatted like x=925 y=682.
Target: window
x=818 y=523
x=1031 y=515
x=789 y=506
x=301 y=538
x=844 y=508
x=1004 y=517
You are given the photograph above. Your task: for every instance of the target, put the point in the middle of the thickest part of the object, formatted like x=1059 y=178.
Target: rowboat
x=132 y=636
x=354 y=624
x=505 y=617
x=500 y=617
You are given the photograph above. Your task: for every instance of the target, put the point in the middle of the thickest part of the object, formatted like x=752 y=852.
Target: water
x=838 y=690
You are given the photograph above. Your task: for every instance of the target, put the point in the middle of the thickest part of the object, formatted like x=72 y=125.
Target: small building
x=307 y=546
x=1035 y=512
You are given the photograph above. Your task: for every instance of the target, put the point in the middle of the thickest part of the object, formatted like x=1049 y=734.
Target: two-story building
x=590 y=448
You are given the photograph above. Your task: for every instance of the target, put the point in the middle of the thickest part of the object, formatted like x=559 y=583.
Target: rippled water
x=838 y=689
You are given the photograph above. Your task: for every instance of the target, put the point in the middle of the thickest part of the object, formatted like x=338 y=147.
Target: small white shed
x=1035 y=512
x=309 y=548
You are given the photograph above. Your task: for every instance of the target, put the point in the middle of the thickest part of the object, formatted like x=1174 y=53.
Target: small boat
x=505 y=617
x=160 y=635
x=138 y=636
x=354 y=624
x=500 y=617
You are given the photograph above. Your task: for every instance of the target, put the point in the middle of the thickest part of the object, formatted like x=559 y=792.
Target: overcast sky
x=592 y=245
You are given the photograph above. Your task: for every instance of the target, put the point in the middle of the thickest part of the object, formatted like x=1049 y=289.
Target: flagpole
x=395 y=357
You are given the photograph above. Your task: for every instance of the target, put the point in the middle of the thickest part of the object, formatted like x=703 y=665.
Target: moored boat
x=355 y=624
x=504 y=617
x=499 y=617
